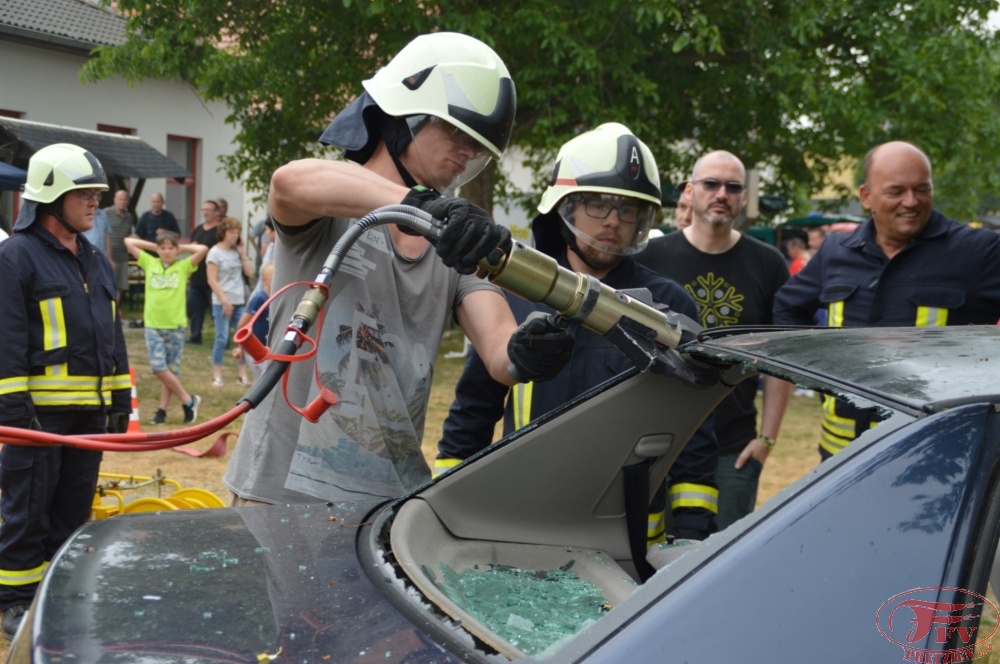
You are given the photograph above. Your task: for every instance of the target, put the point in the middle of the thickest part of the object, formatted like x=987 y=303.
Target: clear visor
x=448 y=156
x=613 y=224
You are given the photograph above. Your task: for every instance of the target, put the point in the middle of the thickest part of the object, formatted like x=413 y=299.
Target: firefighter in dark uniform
x=64 y=368
x=596 y=213
x=907 y=265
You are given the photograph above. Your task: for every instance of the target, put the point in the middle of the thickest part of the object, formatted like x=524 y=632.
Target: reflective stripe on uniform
x=18 y=577
x=69 y=398
x=656 y=528
x=118 y=382
x=522 y=404
x=835 y=314
x=14 y=384
x=441 y=465
x=837 y=431
x=66 y=390
x=931 y=317
x=53 y=332
x=694 y=495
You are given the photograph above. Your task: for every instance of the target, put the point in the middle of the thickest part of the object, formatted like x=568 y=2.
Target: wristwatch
x=767 y=441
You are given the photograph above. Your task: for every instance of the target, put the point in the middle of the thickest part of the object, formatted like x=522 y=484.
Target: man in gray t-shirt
x=392 y=296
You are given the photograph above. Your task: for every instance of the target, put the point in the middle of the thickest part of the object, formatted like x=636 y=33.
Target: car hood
x=294 y=591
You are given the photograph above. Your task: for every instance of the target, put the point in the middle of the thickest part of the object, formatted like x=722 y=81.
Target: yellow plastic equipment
x=111 y=485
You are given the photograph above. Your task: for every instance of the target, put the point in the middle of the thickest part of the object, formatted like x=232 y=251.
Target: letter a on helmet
x=608 y=160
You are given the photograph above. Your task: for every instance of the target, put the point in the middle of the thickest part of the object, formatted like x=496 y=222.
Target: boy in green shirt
x=165 y=313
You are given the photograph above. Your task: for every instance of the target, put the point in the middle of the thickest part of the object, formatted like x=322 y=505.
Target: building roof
x=124 y=156
x=75 y=25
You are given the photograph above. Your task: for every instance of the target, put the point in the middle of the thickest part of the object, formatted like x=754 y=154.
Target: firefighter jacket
x=62 y=334
x=948 y=275
x=480 y=401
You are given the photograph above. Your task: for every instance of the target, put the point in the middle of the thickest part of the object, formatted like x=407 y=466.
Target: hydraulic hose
x=523 y=271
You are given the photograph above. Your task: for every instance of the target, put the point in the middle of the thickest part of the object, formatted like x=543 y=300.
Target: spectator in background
x=224 y=210
x=228 y=263
x=155 y=218
x=683 y=213
x=165 y=313
x=732 y=278
x=261 y=240
x=199 y=292
x=262 y=325
x=816 y=237
x=798 y=254
x=267 y=242
x=100 y=233
x=122 y=223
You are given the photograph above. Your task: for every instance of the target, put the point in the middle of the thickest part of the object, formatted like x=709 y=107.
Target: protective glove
x=117 y=422
x=417 y=197
x=540 y=347
x=468 y=235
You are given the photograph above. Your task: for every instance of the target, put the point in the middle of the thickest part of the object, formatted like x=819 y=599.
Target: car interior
x=479 y=521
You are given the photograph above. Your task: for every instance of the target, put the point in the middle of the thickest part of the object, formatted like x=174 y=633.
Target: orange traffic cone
x=133 y=419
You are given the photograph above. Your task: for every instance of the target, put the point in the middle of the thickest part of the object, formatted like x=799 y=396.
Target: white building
x=44 y=44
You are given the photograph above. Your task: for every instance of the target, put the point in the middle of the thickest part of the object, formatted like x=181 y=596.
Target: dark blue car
x=882 y=554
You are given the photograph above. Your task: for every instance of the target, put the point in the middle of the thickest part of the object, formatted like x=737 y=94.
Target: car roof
x=924 y=369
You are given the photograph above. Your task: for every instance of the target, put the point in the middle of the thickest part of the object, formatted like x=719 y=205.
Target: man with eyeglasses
x=732 y=278
x=908 y=265
x=595 y=215
x=64 y=368
x=427 y=122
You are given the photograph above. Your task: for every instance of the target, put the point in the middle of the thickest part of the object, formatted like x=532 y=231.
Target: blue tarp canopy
x=11 y=177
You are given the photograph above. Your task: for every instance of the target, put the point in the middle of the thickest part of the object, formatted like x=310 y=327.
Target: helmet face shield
x=610 y=223
x=448 y=156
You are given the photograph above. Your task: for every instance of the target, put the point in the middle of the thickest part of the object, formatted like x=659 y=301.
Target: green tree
x=792 y=87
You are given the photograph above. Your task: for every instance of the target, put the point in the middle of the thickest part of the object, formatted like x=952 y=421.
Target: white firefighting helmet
x=62 y=167
x=606 y=167
x=55 y=170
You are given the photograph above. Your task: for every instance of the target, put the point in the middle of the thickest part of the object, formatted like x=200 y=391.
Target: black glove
x=468 y=234
x=117 y=422
x=417 y=197
x=540 y=347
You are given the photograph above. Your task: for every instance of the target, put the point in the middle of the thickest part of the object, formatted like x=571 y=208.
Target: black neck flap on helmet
x=358 y=129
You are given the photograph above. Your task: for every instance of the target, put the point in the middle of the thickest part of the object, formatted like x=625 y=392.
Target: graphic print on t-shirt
x=719 y=303
x=369 y=443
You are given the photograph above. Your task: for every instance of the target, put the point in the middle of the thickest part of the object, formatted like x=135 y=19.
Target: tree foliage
x=792 y=86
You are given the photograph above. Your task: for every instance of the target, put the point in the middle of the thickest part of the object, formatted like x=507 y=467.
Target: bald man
x=732 y=278
x=907 y=265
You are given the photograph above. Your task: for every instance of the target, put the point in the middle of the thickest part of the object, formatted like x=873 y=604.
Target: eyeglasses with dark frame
x=711 y=185
x=601 y=208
